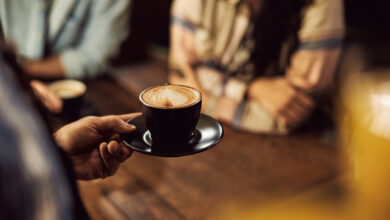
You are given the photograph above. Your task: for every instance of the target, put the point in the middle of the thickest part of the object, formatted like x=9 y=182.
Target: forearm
x=51 y=67
x=313 y=70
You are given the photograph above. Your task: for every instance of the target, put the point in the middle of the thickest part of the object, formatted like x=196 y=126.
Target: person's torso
x=43 y=27
x=33 y=181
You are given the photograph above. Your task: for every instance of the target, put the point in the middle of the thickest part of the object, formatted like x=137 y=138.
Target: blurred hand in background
x=50 y=100
x=281 y=100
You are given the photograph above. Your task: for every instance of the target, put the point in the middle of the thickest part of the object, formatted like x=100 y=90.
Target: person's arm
x=185 y=16
x=50 y=68
x=313 y=65
x=184 y=21
x=93 y=144
x=281 y=100
x=107 y=27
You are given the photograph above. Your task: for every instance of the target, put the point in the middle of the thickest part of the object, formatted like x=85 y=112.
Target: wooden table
x=243 y=168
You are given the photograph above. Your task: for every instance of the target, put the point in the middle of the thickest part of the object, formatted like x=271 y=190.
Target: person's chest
x=39 y=26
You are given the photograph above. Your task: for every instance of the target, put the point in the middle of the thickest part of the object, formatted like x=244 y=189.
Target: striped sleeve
x=313 y=65
x=186 y=13
x=323 y=20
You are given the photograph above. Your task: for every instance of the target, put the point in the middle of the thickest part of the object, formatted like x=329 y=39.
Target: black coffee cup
x=171 y=124
x=71 y=93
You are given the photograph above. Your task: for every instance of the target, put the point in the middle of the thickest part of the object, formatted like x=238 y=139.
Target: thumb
x=113 y=124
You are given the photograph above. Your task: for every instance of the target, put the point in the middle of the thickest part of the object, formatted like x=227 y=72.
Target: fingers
x=120 y=152
x=289 y=118
x=109 y=163
x=300 y=109
x=126 y=117
x=115 y=137
x=50 y=100
x=112 y=154
x=292 y=117
x=113 y=124
x=297 y=110
x=304 y=100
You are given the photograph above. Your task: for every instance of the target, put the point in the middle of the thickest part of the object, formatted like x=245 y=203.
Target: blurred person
x=37 y=169
x=64 y=38
x=260 y=64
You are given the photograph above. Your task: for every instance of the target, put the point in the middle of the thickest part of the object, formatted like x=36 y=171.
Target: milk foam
x=66 y=89
x=170 y=96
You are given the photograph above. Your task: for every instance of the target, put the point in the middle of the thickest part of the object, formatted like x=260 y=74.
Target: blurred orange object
x=365 y=134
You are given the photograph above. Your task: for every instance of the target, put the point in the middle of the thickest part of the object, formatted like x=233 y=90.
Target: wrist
x=48 y=68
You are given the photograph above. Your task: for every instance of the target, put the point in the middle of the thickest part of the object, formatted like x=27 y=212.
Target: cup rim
x=167 y=108
x=81 y=86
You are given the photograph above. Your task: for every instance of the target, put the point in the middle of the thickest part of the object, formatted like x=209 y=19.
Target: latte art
x=171 y=96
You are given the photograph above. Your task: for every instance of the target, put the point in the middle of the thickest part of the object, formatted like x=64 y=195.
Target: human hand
x=50 y=100
x=93 y=145
x=281 y=100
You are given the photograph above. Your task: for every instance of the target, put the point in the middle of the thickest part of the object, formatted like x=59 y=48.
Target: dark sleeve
x=32 y=167
x=79 y=208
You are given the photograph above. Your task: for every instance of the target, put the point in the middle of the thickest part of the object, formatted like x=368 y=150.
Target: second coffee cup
x=171 y=112
x=71 y=92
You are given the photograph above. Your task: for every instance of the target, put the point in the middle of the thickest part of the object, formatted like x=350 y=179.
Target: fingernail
x=131 y=126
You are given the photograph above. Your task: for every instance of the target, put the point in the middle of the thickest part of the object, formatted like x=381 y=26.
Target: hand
x=93 y=144
x=281 y=100
x=50 y=100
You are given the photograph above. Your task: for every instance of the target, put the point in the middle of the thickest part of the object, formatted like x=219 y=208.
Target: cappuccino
x=68 y=89
x=171 y=96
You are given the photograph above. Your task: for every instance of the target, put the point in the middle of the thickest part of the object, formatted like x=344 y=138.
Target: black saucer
x=208 y=133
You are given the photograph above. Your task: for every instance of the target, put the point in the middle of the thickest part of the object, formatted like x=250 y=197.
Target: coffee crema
x=171 y=96
x=67 y=93
x=67 y=89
